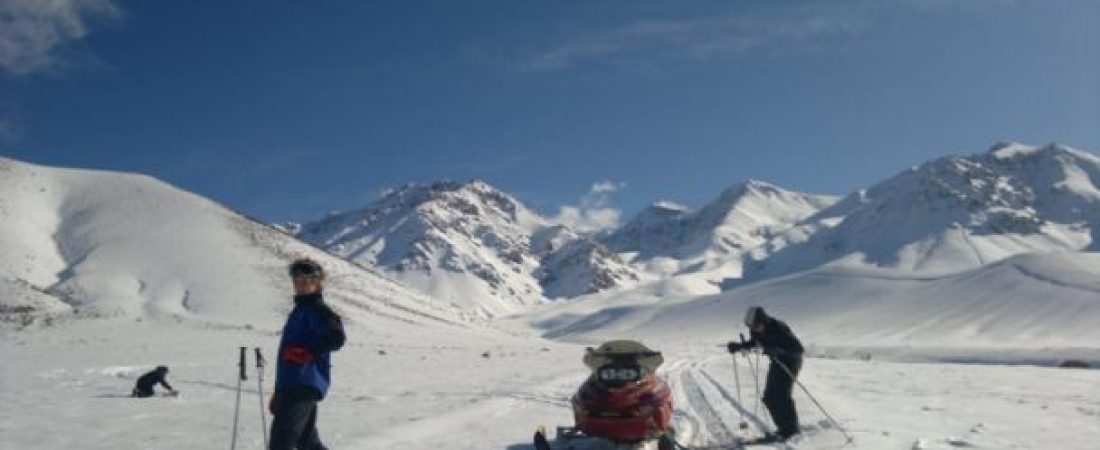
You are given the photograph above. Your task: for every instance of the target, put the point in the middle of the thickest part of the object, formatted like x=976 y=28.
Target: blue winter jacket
x=312 y=331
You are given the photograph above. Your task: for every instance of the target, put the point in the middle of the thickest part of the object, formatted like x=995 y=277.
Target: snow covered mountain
x=105 y=275
x=141 y=273
x=82 y=243
x=670 y=239
x=574 y=265
x=953 y=214
x=470 y=245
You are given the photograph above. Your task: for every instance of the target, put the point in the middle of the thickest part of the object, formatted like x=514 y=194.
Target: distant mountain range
x=480 y=248
x=952 y=214
x=117 y=243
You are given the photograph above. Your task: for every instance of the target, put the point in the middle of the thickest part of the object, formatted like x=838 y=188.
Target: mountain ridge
x=957 y=212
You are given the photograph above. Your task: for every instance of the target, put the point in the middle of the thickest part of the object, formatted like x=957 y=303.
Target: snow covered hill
x=669 y=239
x=470 y=245
x=953 y=214
x=1040 y=306
x=990 y=251
x=106 y=275
x=81 y=243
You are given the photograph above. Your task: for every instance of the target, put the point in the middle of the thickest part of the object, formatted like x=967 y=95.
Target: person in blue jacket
x=302 y=378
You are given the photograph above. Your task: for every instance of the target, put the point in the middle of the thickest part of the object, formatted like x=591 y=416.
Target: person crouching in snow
x=302 y=378
x=144 y=386
x=785 y=351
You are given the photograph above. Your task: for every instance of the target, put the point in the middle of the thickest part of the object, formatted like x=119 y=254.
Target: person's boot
x=783 y=436
x=767 y=438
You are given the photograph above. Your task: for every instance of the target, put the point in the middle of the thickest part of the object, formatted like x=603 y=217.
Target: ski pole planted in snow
x=755 y=377
x=737 y=381
x=237 y=408
x=808 y=394
x=260 y=383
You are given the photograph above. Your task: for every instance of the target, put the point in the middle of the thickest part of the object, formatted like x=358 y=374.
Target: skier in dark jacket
x=302 y=378
x=785 y=352
x=144 y=386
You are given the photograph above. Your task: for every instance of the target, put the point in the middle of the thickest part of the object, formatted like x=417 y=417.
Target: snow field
x=437 y=391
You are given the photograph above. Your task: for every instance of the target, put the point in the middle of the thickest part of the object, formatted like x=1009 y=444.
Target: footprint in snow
x=958 y=442
x=367 y=398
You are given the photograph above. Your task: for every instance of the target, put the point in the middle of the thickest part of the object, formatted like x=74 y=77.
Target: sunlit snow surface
x=119 y=273
x=68 y=390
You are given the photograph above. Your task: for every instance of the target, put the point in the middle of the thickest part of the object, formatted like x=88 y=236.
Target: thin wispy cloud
x=35 y=33
x=594 y=212
x=698 y=39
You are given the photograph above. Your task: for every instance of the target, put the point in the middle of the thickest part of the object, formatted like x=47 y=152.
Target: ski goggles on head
x=303 y=270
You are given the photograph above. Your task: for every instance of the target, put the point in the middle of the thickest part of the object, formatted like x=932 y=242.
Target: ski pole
x=740 y=409
x=808 y=394
x=237 y=409
x=260 y=383
x=737 y=380
x=755 y=378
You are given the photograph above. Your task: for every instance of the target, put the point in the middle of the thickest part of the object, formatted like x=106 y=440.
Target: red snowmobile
x=622 y=402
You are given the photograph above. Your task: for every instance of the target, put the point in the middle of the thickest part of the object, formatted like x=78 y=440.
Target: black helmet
x=162 y=369
x=305 y=267
x=754 y=315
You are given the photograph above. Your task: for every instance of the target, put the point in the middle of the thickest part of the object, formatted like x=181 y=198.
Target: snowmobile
x=622 y=403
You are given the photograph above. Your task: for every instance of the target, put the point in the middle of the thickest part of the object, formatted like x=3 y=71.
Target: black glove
x=734 y=347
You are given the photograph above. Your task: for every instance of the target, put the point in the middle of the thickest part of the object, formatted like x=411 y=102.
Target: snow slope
x=669 y=239
x=69 y=392
x=470 y=245
x=111 y=274
x=107 y=275
x=954 y=214
x=1030 y=304
x=100 y=244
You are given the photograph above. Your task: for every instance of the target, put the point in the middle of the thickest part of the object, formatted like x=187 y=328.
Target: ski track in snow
x=1050 y=280
x=760 y=425
x=708 y=409
x=715 y=427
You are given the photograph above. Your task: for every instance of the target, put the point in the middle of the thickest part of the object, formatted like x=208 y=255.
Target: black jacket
x=146 y=382
x=776 y=340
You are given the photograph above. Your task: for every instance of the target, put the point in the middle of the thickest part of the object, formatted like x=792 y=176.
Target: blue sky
x=287 y=109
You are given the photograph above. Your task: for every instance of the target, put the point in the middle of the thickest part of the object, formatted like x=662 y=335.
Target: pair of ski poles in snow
x=787 y=370
x=260 y=384
x=756 y=383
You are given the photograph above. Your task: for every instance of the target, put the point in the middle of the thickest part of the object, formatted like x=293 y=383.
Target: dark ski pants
x=777 y=395
x=295 y=423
